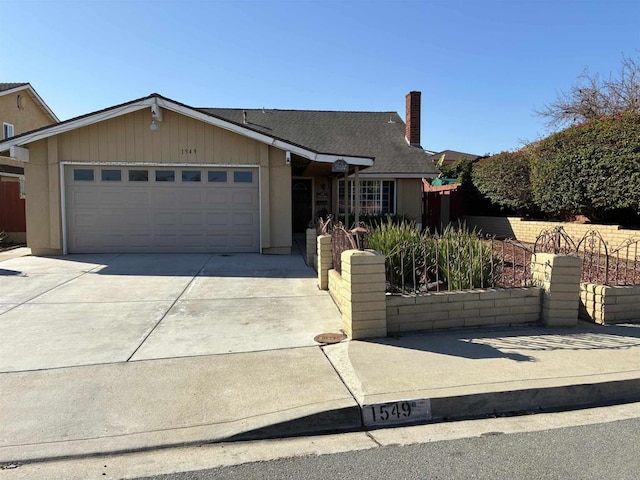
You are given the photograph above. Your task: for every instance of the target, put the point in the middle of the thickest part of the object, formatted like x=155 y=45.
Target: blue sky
x=483 y=66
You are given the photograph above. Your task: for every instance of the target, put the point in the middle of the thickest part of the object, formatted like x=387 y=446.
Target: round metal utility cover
x=329 y=337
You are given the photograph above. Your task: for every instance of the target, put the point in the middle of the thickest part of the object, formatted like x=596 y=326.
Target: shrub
x=398 y=242
x=3 y=236
x=375 y=220
x=590 y=169
x=465 y=260
x=461 y=258
x=504 y=179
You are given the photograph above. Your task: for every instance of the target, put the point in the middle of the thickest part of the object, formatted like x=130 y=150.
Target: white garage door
x=161 y=209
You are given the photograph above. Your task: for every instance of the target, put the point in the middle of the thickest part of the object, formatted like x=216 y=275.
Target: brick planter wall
x=603 y=304
x=473 y=308
x=528 y=231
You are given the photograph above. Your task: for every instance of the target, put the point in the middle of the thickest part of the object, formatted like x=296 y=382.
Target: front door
x=301 y=203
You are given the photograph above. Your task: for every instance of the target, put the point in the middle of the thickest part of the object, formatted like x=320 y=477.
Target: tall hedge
x=589 y=169
x=504 y=179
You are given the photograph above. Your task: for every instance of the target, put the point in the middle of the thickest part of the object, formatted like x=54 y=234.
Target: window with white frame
x=7 y=130
x=377 y=197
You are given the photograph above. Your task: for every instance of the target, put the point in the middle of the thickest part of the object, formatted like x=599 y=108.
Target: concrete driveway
x=92 y=309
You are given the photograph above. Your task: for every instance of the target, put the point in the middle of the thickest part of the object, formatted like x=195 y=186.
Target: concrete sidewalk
x=153 y=403
x=475 y=373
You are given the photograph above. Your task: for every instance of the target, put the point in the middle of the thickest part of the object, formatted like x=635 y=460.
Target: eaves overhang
x=157 y=100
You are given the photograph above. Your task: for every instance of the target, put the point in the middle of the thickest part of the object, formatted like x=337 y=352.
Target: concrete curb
x=330 y=420
x=462 y=407
x=566 y=397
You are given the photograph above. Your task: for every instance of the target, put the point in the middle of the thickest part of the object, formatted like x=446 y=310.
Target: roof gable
x=163 y=102
x=9 y=88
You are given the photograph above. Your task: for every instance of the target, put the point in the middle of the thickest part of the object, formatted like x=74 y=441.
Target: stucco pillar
x=325 y=261
x=364 y=304
x=559 y=278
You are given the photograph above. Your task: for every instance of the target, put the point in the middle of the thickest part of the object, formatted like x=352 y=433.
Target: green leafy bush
x=398 y=242
x=461 y=258
x=590 y=169
x=504 y=179
x=465 y=260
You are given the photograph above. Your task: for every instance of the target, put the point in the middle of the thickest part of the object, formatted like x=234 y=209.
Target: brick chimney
x=412 y=127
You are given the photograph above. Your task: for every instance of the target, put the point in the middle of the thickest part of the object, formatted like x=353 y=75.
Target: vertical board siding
x=129 y=139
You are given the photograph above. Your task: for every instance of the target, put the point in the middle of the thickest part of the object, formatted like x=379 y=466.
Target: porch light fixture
x=154 y=125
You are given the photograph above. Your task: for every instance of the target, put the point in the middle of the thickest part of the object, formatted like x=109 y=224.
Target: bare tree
x=593 y=97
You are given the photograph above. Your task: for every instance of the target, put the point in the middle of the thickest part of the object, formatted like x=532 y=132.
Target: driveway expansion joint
x=170 y=307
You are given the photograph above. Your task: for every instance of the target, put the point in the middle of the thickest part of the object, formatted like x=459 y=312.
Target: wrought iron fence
x=435 y=265
x=324 y=227
x=620 y=266
x=343 y=239
x=600 y=265
x=554 y=240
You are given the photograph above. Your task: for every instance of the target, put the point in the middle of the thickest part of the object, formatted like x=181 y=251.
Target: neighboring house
x=155 y=175
x=446 y=158
x=21 y=110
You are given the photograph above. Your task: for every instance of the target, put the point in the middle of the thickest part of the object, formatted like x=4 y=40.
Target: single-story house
x=156 y=175
x=21 y=110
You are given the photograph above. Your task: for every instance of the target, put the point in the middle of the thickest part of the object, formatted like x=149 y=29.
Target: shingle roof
x=372 y=134
x=9 y=86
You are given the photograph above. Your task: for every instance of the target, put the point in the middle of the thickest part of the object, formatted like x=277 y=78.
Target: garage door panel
x=165 y=219
x=242 y=219
x=217 y=197
x=111 y=197
x=162 y=216
x=165 y=197
x=217 y=219
x=243 y=241
x=243 y=198
x=167 y=240
x=138 y=197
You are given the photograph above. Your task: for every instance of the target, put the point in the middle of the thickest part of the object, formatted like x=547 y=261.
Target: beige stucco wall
x=409 y=198
x=279 y=203
x=43 y=197
x=29 y=117
x=179 y=139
